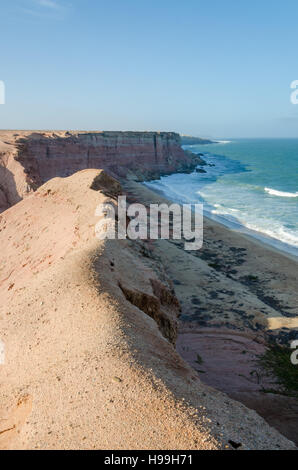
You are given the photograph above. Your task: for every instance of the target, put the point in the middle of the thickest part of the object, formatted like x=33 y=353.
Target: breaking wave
x=274 y=192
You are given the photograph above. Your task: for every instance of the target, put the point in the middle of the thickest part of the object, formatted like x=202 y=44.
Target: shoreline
x=237 y=295
x=259 y=237
x=258 y=255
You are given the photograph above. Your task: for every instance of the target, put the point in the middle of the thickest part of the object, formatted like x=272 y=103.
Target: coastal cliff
x=29 y=159
x=89 y=328
x=86 y=318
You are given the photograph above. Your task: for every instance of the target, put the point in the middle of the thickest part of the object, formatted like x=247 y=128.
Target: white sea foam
x=241 y=203
x=279 y=233
x=223 y=208
x=274 y=192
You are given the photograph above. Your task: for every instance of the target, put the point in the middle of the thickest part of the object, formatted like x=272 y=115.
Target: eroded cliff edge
x=87 y=363
x=29 y=159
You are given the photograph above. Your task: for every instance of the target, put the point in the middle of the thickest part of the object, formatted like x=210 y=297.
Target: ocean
x=250 y=185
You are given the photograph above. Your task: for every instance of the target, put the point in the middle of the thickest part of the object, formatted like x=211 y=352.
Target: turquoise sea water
x=251 y=183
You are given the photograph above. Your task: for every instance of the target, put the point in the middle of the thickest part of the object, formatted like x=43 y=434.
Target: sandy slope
x=85 y=368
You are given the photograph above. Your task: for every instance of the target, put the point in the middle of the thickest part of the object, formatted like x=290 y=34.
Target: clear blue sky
x=211 y=68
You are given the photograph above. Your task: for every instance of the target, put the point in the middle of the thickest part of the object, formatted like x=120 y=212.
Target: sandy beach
x=236 y=294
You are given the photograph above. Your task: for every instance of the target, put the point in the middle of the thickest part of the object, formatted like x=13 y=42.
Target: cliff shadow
x=8 y=190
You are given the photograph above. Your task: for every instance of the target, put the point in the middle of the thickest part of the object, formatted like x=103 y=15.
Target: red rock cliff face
x=40 y=156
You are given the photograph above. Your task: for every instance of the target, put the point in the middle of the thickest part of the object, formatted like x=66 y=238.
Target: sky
x=218 y=69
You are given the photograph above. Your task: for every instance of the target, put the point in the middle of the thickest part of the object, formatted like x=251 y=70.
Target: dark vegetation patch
x=199 y=360
x=254 y=283
x=277 y=361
